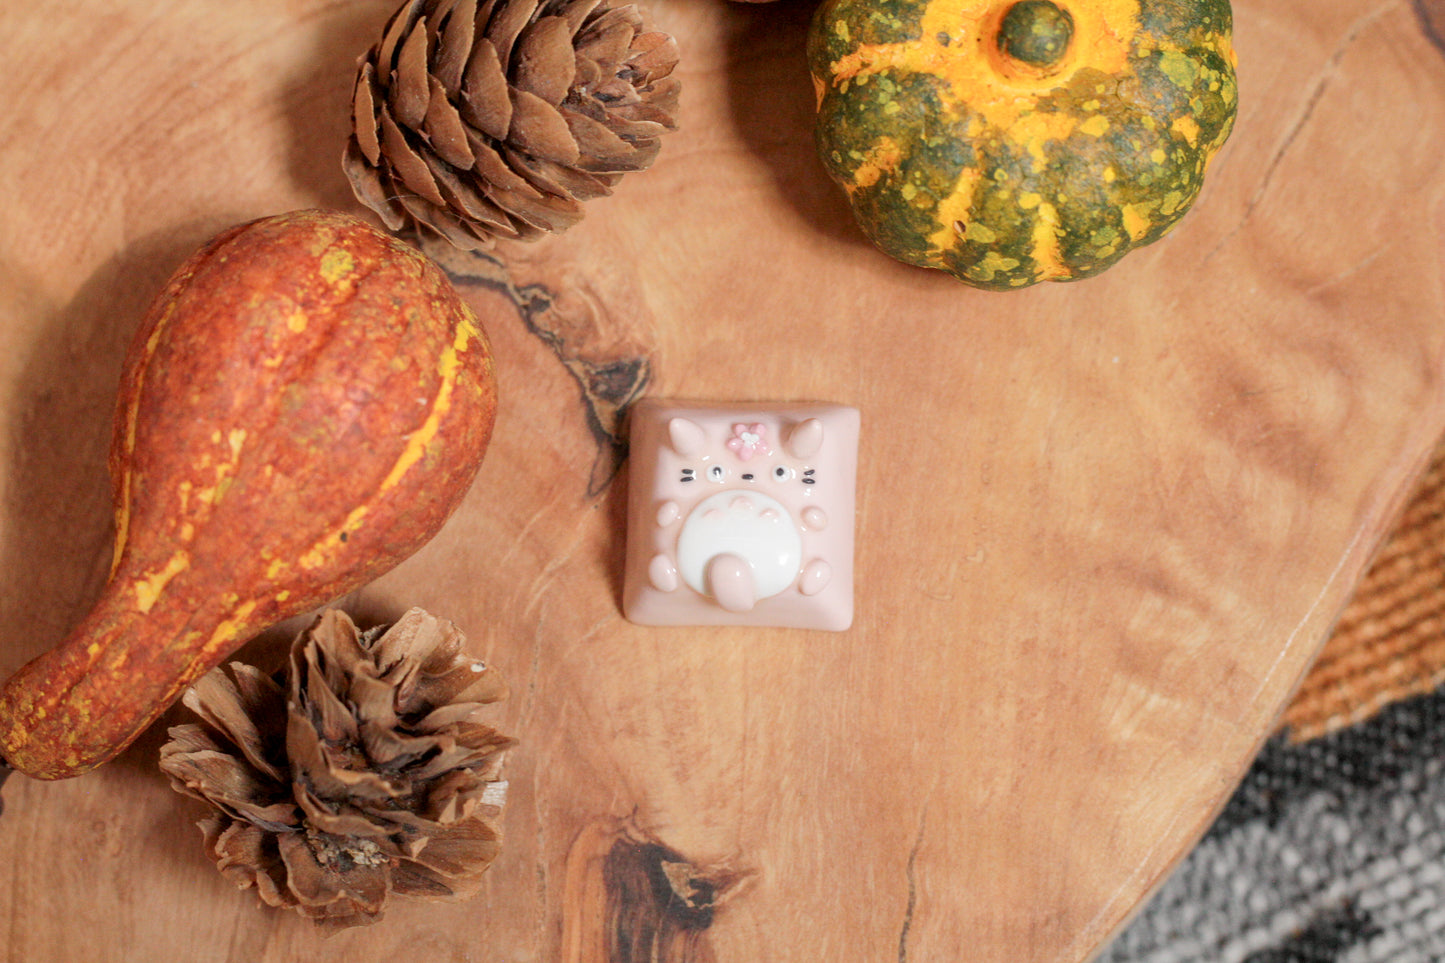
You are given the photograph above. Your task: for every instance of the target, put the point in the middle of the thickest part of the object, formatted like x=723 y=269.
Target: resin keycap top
x=741 y=515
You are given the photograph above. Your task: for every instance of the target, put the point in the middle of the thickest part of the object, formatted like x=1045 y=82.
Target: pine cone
x=368 y=773
x=500 y=119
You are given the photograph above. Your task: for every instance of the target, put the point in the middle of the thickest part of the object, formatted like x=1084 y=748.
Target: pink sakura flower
x=749 y=440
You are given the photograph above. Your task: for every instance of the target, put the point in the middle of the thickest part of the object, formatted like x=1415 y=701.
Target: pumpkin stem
x=1035 y=32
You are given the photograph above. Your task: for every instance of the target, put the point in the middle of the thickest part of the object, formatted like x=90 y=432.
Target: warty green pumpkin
x=1014 y=142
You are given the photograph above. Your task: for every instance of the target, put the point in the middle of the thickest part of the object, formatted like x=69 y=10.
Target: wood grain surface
x=1102 y=529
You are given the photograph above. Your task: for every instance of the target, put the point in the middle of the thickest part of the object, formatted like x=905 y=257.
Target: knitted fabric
x=1332 y=849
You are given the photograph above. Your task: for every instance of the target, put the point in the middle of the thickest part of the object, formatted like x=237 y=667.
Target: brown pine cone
x=498 y=119
x=366 y=773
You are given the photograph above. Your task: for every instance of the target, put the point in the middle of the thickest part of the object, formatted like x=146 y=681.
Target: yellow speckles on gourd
x=1181 y=69
x=236 y=438
x=1036 y=129
x=981 y=233
x=337 y=265
x=1095 y=126
x=993 y=263
x=1029 y=200
x=840 y=30
x=883 y=157
x=317 y=244
x=230 y=628
x=1158 y=156
x=149 y=588
x=233 y=440
x=1188 y=128
x=296 y=322
x=326 y=549
x=1136 y=220
x=1105 y=241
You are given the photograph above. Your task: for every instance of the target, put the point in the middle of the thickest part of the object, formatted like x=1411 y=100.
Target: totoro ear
x=805 y=439
x=686 y=437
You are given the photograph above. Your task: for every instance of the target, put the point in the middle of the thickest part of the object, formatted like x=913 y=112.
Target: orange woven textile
x=1390 y=640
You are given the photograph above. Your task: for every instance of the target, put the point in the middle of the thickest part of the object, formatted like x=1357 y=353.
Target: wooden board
x=1103 y=527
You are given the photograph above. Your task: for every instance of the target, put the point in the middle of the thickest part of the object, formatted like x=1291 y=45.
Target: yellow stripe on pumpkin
x=449 y=367
x=1046 y=244
x=953 y=210
x=956 y=45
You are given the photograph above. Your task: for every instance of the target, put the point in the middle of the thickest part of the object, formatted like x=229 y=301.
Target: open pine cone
x=498 y=119
x=367 y=774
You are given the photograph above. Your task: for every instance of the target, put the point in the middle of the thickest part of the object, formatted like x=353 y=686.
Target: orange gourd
x=305 y=404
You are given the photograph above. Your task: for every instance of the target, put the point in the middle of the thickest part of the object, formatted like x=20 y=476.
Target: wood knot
x=633 y=899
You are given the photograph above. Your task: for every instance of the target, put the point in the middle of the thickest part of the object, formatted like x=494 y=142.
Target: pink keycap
x=741 y=515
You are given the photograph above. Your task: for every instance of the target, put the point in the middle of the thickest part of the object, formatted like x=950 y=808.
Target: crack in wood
x=1316 y=94
x=912 y=877
x=608 y=385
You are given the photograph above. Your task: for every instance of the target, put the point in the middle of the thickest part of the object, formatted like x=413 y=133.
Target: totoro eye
x=716 y=473
x=782 y=473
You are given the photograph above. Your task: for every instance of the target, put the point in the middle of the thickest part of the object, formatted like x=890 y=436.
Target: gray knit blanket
x=1330 y=851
